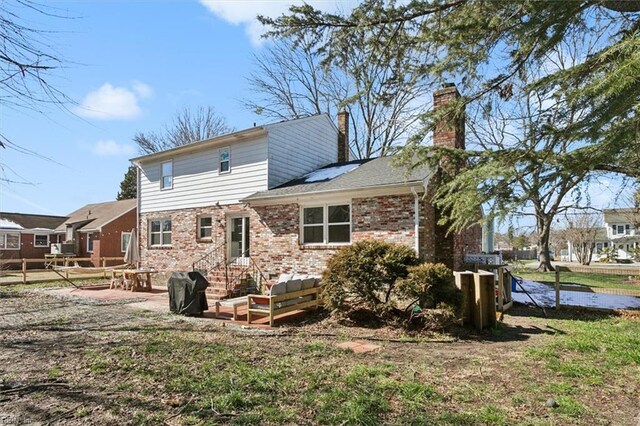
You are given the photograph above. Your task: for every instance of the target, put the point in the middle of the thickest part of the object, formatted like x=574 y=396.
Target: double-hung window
x=10 y=241
x=160 y=232
x=205 y=225
x=327 y=224
x=41 y=240
x=225 y=159
x=166 y=180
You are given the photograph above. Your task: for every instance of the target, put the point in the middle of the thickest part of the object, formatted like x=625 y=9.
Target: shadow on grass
x=68 y=402
x=565 y=313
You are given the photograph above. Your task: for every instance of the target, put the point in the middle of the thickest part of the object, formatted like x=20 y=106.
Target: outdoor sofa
x=291 y=293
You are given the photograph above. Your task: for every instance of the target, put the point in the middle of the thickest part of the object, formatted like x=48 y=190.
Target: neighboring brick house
x=27 y=236
x=100 y=230
x=287 y=197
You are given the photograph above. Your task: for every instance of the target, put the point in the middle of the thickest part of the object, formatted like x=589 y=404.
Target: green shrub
x=429 y=285
x=609 y=254
x=363 y=275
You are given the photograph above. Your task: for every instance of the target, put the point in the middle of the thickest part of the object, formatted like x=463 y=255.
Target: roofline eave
x=361 y=192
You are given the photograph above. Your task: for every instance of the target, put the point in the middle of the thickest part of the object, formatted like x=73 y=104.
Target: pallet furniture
x=294 y=294
x=234 y=303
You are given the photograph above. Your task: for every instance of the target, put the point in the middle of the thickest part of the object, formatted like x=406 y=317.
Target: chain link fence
x=599 y=287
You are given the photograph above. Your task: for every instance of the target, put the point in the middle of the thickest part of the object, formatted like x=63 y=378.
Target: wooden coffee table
x=231 y=303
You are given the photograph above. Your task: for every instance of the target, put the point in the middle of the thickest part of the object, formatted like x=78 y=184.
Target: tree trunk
x=544 y=231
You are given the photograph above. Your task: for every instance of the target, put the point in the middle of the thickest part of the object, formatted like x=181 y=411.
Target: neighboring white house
x=621 y=233
x=618 y=233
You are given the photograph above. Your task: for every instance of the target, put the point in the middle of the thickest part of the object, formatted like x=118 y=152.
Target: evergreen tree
x=580 y=57
x=129 y=185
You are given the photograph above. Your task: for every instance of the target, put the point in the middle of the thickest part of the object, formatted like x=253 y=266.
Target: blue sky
x=130 y=67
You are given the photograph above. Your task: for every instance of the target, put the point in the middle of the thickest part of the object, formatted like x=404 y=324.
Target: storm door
x=239 y=247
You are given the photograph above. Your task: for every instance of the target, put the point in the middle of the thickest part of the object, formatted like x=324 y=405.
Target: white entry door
x=239 y=246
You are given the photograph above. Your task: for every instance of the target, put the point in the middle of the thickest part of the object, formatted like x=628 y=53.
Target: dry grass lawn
x=77 y=362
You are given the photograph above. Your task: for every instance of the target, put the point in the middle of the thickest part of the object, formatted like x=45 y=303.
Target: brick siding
x=275 y=230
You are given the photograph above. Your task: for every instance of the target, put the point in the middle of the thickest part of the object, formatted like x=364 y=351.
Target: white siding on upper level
x=196 y=181
x=300 y=146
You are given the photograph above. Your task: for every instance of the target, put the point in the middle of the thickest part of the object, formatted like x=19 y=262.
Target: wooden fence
x=69 y=261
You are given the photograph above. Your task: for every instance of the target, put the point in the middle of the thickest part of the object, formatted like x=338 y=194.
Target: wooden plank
x=294 y=294
x=485 y=300
x=11 y=261
x=464 y=281
x=633 y=271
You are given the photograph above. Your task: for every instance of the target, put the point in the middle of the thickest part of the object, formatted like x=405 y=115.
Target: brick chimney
x=343 y=136
x=450 y=131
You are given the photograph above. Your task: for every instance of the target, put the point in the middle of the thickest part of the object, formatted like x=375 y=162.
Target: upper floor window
x=166 y=181
x=225 y=159
x=160 y=232
x=10 y=241
x=328 y=224
x=621 y=229
x=41 y=240
x=205 y=225
x=124 y=241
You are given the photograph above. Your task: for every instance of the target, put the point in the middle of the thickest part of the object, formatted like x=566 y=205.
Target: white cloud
x=245 y=12
x=143 y=90
x=111 y=148
x=112 y=102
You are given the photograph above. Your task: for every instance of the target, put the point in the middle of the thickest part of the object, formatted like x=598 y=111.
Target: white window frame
x=226 y=149
x=325 y=224
x=162 y=176
x=199 y=227
x=123 y=246
x=3 y=240
x=40 y=245
x=90 y=239
x=161 y=232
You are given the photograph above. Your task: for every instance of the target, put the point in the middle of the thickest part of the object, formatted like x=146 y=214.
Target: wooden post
x=464 y=281
x=24 y=271
x=104 y=265
x=485 y=298
x=557 y=287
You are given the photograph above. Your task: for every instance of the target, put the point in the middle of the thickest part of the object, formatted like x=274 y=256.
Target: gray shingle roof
x=368 y=174
x=625 y=215
x=98 y=215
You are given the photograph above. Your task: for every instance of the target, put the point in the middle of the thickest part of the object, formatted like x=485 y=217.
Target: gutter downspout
x=416 y=217
x=138 y=202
